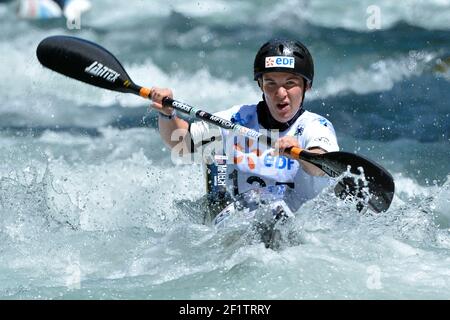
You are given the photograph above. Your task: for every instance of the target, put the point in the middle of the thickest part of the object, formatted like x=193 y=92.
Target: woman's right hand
x=157 y=94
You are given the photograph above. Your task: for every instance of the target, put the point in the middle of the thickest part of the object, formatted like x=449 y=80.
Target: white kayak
x=253 y=205
x=260 y=211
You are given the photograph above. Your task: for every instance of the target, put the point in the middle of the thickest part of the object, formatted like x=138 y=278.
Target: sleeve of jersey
x=203 y=133
x=320 y=133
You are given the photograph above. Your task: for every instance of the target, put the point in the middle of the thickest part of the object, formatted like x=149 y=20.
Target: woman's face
x=283 y=92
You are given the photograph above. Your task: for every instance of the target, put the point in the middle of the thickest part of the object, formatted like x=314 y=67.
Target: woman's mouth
x=282 y=106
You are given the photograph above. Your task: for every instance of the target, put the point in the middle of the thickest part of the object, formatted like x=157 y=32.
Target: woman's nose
x=281 y=92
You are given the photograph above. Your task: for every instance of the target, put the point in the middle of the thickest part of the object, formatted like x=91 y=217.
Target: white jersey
x=252 y=166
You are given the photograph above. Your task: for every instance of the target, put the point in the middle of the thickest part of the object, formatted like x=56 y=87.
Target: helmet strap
x=305 y=87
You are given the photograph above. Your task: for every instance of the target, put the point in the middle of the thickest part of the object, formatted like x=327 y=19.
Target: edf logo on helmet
x=280 y=61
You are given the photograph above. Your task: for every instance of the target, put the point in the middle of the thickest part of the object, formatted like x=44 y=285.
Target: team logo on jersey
x=299 y=131
x=323 y=122
x=250 y=156
x=280 y=61
x=237 y=118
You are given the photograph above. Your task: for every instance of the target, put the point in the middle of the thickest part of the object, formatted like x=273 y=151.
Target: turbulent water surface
x=91 y=205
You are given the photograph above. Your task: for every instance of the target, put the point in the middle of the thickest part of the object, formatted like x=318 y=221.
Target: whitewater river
x=91 y=205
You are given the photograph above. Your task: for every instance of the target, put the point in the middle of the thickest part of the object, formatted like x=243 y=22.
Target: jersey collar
x=266 y=120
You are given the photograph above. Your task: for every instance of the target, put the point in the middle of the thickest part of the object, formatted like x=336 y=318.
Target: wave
x=58 y=100
x=379 y=76
x=354 y=15
x=143 y=170
x=82 y=202
x=49 y=90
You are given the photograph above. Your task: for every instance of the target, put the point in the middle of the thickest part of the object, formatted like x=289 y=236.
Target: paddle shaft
x=296 y=153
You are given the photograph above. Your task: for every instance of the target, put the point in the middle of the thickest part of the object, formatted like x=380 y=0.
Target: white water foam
x=355 y=14
x=101 y=221
x=23 y=67
x=381 y=75
x=328 y=13
x=113 y=222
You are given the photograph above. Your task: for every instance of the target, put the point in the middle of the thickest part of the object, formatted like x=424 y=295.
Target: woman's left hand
x=285 y=143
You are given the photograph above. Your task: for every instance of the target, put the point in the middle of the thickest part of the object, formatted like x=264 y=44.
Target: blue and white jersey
x=252 y=166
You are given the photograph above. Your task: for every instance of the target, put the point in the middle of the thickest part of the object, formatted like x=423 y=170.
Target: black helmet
x=284 y=55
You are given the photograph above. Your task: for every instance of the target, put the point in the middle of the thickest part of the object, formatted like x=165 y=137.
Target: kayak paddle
x=90 y=63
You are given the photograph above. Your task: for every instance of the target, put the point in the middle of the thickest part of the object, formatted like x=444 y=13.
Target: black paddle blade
x=85 y=61
x=379 y=181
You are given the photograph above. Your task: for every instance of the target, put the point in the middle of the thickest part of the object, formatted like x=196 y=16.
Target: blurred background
x=91 y=202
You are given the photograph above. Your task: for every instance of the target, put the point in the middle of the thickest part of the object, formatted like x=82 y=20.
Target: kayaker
x=284 y=71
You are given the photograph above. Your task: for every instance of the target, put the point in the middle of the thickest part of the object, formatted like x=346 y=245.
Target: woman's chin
x=284 y=116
